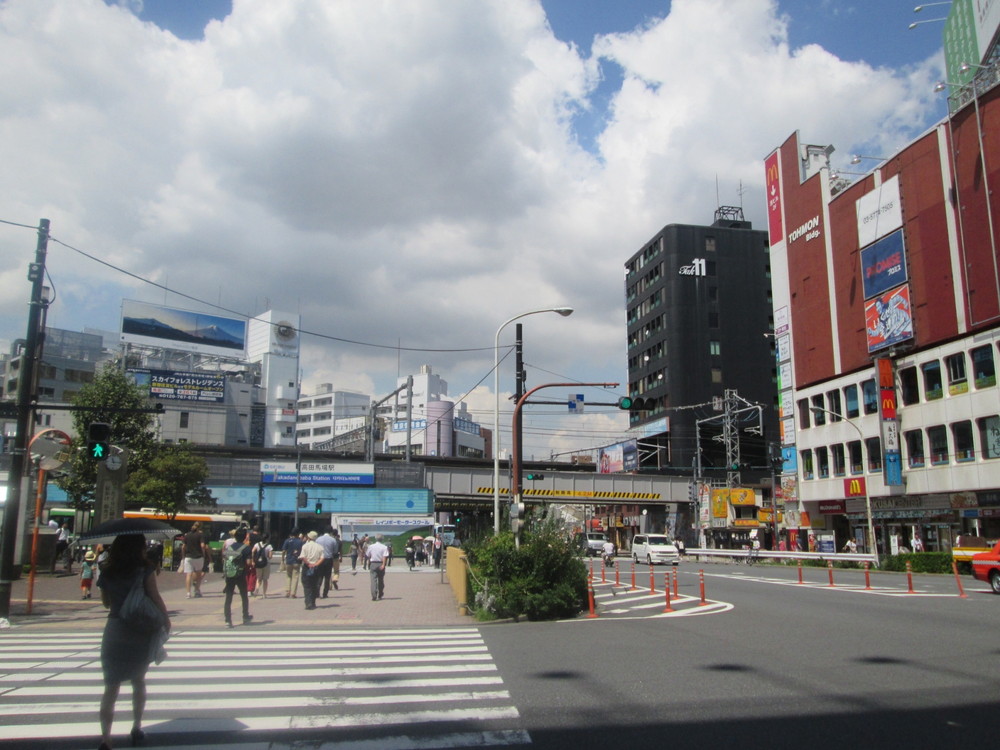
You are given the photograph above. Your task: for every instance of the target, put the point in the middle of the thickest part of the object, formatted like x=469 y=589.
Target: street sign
x=575 y=403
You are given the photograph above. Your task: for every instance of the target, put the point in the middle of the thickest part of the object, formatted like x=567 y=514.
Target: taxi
x=986 y=567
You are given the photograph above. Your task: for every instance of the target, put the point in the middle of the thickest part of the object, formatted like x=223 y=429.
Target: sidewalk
x=421 y=598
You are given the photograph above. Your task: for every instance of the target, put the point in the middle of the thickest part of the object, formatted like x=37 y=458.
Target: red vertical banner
x=772 y=184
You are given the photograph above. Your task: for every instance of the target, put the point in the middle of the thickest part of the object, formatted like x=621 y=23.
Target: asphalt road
x=788 y=666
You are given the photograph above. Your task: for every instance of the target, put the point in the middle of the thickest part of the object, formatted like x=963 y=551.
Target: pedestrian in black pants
x=235 y=559
x=311 y=557
x=330 y=547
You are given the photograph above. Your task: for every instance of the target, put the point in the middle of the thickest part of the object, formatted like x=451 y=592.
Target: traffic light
x=693 y=492
x=627 y=403
x=458 y=518
x=303 y=499
x=98 y=441
x=534 y=477
x=319 y=507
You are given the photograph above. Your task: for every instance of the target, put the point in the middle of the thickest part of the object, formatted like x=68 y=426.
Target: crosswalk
x=254 y=689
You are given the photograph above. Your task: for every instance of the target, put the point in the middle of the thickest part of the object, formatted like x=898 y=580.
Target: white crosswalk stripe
x=255 y=688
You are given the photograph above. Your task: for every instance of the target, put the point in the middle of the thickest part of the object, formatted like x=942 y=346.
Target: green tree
x=170 y=481
x=104 y=400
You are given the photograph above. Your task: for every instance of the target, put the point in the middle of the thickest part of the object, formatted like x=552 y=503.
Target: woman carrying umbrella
x=125 y=653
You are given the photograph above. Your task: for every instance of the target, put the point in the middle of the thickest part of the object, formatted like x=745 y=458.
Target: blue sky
x=406 y=176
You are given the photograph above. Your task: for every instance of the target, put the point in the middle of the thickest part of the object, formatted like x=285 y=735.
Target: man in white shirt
x=377 y=556
x=312 y=558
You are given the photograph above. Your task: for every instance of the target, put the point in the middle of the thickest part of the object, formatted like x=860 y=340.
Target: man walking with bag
x=235 y=559
x=377 y=556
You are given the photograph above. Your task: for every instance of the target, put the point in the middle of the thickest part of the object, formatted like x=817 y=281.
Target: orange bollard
x=617 y=568
x=701 y=585
x=868 y=576
x=961 y=591
x=829 y=568
x=909 y=578
x=590 y=595
x=633 y=587
x=591 y=576
x=604 y=569
x=652 y=583
x=676 y=578
x=800 y=572
x=666 y=588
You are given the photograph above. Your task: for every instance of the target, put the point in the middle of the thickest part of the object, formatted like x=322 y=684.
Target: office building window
x=983 y=369
x=910 y=392
x=874 y=447
x=833 y=404
x=819 y=417
x=807 y=464
x=869 y=396
x=714 y=348
x=989 y=436
x=957 y=380
x=184 y=417
x=961 y=434
x=914 y=448
x=937 y=437
x=851 y=402
x=803 y=407
x=933 y=385
x=837 y=451
x=856 y=457
x=823 y=463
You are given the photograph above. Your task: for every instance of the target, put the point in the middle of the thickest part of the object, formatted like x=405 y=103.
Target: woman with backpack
x=235 y=560
x=262 y=552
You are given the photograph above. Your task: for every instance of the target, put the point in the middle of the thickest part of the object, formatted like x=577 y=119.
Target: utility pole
x=25 y=397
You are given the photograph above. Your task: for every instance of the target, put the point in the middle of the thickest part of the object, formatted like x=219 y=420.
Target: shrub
x=920 y=562
x=543 y=580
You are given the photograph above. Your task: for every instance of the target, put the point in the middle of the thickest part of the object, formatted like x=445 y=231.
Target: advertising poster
x=883 y=265
x=888 y=318
x=772 y=183
x=171 y=328
x=181 y=386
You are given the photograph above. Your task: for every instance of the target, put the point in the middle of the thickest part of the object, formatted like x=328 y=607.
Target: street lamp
x=873 y=548
x=564 y=311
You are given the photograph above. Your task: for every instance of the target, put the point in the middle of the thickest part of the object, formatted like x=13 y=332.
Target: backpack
x=261 y=560
x=232 y=563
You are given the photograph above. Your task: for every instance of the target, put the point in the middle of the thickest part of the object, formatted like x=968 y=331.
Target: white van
x=654 y=548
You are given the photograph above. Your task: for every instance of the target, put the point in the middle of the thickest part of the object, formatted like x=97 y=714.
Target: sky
x=407 y=176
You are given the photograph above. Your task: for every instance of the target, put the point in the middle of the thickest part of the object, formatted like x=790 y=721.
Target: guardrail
x=741 y=554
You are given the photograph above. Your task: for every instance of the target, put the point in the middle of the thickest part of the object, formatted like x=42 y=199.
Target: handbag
x=138 y=612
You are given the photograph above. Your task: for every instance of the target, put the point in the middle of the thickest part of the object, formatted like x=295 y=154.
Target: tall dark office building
x=699 y=322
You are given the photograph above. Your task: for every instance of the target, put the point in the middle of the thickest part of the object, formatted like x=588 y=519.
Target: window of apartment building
x=937 y=437
x=855 y=457
x=837 y=452
x=851 y=402
x=807 y=464
x=933 y=384
x=961 y=435
x=710 y=268
x=322 y=431
x=914 y=447
x=957 y=380
x=874 y=447
x=833 y=404
x=716 y=374
x=869 y=396
x=819 y=417
x=989 y=436
x=823 y=462
x=710 y=244
x=184 y=420
x=713 y=293
x=713 y=320
x=803 y=406
x=304 y=433
x=983 y=370
x=909 y=389
x=320 y=416
x=714 y=348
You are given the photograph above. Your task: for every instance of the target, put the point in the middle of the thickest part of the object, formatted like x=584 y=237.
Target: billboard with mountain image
x=170 y=328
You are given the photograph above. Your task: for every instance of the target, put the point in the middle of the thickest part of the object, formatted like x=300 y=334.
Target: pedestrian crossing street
x=253 y=689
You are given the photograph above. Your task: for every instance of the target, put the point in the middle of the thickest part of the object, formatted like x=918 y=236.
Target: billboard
x=614 y=459
x=879 y=212
x=883 y=265
x=171 y=328
x=205 y=387
x=317 y=473
x=772 y=183
x=888 y=319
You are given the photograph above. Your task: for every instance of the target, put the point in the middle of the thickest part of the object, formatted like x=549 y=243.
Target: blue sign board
x=883 y=265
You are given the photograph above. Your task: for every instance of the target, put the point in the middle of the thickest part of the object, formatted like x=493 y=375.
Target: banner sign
x=888 y=320
x=879 y=212
x=854 y=487
x=772 y=184
x=883 y=265
x=315 y=472
x=181 y=386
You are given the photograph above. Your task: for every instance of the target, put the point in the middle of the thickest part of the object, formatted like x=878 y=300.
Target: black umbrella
x=105 y=533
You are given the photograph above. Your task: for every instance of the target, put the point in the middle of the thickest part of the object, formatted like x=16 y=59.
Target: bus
x=447 y=532
x=214 y=525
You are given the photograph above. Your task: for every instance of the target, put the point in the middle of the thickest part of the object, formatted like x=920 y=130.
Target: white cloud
x=401 y=174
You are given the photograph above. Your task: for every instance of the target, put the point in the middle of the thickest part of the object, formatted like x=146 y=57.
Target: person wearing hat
x=311 y=558
x=87 y=574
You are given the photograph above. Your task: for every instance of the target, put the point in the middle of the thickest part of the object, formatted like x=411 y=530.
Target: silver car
x=653 y=549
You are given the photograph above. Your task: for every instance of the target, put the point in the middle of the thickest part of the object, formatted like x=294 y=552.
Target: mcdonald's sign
x=772 y=184
x=888 y=403
x=854 y=487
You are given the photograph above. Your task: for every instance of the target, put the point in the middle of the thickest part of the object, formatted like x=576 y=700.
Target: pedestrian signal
x=98 y=441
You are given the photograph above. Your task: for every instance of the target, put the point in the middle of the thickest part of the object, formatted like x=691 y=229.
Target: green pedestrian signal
x=98 y=441
x=319 y=508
